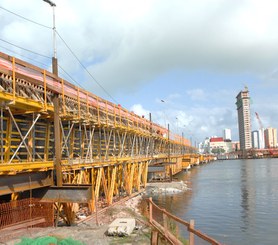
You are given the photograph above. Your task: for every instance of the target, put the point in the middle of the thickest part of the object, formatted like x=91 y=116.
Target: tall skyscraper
x=244 y=120
x=270 y=137
x=227 y=134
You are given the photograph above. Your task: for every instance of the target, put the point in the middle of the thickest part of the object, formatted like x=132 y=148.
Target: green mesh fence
x=49 y=240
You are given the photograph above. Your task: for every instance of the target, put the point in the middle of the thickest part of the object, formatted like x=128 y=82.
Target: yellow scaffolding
x=102 y=144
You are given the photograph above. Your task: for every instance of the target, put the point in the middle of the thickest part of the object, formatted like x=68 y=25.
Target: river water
x=233 y=201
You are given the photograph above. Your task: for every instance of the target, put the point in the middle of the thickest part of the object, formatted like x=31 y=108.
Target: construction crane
x=261 y=132
x=259 y=120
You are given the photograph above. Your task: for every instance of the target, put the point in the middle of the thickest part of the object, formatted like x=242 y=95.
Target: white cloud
x=139 y=110
x=127 y=43
x=198 y=122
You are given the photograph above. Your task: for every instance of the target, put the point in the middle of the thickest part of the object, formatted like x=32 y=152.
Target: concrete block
x=121 y=227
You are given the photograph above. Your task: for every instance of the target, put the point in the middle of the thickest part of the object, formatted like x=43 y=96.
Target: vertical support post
x=120 y=116
x=106 y=111
x=63 y=97
x=97 y=185
x=154 y=234
x=150 y=118
x=130 y=179
x=14 y=79
x=46 y=144
x=98 y=114
x=44 y=86
x=8 y=139
x=2 y=135
x=78 y=101
x=169 y=153
x=139 y=176
x=165 y=223
x=14 y=196
x=145 y=174
x=114 y=116
x=191 y=235
x=112 y=185
x=104 y=183
x=30 y=143
x=57 y=135
x=87 y=103
x=154 y=237
x=127 y=119
x=72 y=138
x=82 y=143
x=93 y=201
x=151 y=210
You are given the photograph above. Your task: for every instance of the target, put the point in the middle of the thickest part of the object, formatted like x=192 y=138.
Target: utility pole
x=58 y=156
x=169 y=153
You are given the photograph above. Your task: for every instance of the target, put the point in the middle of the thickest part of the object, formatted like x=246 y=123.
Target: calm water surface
x=234 y=201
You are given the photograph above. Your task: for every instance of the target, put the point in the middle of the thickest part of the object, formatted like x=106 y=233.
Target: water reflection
x=244 y=196
x=233 y=201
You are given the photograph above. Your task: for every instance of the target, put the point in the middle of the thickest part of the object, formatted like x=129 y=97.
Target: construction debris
x=121 y=227
x=166 y=187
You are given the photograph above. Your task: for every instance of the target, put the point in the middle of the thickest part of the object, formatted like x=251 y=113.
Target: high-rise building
x=270 y=137
x=227 y=134
x=244 y=120
x=255 y=139
x=261 y=139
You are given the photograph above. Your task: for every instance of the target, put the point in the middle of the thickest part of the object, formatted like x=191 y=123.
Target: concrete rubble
x=166 y=187
x=121 y=227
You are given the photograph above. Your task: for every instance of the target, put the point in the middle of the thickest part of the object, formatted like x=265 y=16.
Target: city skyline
x=195 y=61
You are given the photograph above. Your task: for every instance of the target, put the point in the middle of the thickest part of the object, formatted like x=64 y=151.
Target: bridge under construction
x=63 y=144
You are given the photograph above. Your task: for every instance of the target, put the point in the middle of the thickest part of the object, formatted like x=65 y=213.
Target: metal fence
x=21 y=214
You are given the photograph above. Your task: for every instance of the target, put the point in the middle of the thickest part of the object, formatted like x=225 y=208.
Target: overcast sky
x=196 y=56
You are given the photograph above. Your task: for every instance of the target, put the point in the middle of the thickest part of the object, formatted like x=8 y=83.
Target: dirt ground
x=93 y=231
